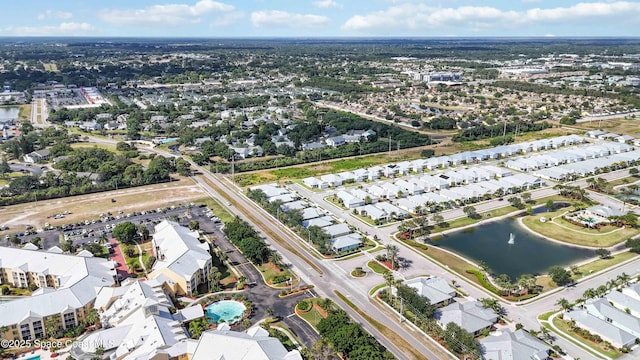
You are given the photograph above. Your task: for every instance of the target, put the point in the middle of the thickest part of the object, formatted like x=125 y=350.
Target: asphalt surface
x=262 y=297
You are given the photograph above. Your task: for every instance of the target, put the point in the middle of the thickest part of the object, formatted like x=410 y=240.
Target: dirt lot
x=91 y=206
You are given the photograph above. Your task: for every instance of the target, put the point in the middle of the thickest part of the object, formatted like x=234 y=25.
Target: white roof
x=507 y=345
x=180 y=249
x=231 y=345
x=80 y=279
x=435 y=289
x=311 y=212
x=270 y=190
x=321 y=222
x=471 y=316
x=337 y=229
x=616 y=336
x=346 y=241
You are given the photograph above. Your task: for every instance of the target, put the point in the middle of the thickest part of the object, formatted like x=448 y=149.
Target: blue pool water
x=37 y=357
x=230 y=311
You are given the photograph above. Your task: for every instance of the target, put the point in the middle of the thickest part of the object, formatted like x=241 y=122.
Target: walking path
x=144 y=268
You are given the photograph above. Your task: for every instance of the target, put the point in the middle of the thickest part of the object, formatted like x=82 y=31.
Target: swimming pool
x=229 y=311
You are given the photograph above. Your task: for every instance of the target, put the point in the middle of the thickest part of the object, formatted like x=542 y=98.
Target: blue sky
x=310 y=18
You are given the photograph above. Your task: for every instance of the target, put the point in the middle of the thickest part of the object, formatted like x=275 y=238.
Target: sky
x=320 y=18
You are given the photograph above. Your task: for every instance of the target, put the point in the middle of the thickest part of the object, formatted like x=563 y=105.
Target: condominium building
x=67 y=287
x=183 y=262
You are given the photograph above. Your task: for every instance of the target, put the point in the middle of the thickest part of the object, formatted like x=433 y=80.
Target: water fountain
x=512 y=239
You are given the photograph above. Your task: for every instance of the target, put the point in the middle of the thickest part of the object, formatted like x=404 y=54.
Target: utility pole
x=233 y=168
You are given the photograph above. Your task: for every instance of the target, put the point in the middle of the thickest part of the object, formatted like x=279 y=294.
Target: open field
x=25 y=112
x=92 y=205
x=618 y=126
x=111 y=148
x=601 y=264
x=562 y=230
x=215 y=206
x=50 y=67
x=327 y=167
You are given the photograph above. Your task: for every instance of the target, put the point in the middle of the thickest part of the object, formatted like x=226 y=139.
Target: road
x=608 y=117
x=334 y=277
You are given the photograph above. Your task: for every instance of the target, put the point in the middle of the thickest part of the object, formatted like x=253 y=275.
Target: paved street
x=335 y=276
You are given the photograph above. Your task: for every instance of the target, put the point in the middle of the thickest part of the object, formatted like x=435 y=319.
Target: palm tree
x=626 y=192
x=589 y=294
x=623 y=278
x=242 y=281
x=92 y=317
x=564 y=304
x=392 y=253
x=214 y=280
x=275 y=258
x=545 y=333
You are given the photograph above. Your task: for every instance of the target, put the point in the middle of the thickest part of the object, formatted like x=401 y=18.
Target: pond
x=9 y=113
x=529 y=254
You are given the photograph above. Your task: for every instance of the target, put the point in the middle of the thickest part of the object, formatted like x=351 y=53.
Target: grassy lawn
x=377 y=268
x=464 y=221
x=313 y=317
x=269 y=271
x=108 y=147
x=546 y=283
x=563 y=231
x=546 y=316
x=625 y=180
x=328 y=167
x=619 y=126
x=365 y=219
x=562 y=325
x=25 y=112
x=602 y=264
x=453 y=262
x=216 y=208
x=50 y=67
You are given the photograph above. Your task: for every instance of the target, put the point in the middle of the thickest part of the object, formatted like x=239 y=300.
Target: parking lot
x=93 y=229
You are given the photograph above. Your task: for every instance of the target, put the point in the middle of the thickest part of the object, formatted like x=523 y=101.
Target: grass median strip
x=388 y=333
x=262 y=227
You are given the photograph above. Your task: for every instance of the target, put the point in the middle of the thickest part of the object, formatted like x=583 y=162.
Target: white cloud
x=276 y=18
x=52 y=14
x=229 y=19
x=166 y=14
x=415 y=17
x=65 y=28
x=326 y=4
